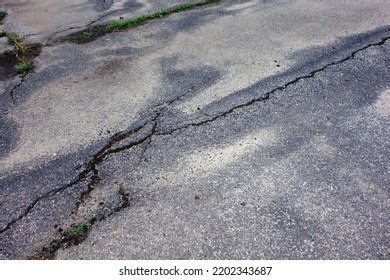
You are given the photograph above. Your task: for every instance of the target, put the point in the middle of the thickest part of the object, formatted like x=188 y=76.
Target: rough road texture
x=248 y=129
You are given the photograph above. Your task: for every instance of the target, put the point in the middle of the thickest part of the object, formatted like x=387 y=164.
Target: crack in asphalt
x=108 y=149
x=65 y=240
x=99 y=157
x=83 y=26
x=15 y=87
x=266 y=96
x=91 y=166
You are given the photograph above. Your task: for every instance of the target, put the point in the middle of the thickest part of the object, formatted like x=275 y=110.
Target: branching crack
x=91 y=168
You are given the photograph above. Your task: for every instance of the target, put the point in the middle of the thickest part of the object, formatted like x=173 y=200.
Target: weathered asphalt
x=261 y=131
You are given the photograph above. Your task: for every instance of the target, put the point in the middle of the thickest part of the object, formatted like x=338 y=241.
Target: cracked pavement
x=242 y=130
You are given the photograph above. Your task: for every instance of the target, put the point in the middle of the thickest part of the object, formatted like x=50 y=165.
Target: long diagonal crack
x=266 y=96
x=112 y=146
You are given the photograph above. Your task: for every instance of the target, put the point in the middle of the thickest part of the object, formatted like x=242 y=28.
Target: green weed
x=24 y=65
x=76 y=230
x=86 y=34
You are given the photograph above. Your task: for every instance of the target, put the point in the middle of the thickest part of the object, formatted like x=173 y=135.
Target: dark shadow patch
x=102 y=5
x=132 y=6
x=123 y=51
x=108 y=68
x=187 y=82
x=193 y=20
x=9 y=136
x=340 y=46
x=8 y=62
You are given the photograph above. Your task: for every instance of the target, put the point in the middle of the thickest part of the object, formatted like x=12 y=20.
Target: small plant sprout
x=76 y=230
x=24 y=65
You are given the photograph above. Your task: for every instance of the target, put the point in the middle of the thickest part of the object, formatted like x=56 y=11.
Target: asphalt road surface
x=236 y=130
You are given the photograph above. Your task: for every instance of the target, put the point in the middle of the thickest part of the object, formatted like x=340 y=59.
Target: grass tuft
x=17 y=42
x=24 y=65
x=14 y=38
x=87 y=34
x=76 y=230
